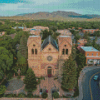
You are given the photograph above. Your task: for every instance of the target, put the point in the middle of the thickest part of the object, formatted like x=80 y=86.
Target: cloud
x=10 y=6
x=42 y=2
x=29 y=6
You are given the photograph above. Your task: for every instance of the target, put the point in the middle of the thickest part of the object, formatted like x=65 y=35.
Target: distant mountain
x=24 y=14
x=85 y=16
x=57 y=14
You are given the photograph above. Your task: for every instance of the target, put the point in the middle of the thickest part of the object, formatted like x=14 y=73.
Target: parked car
x=99 y=83
x=96 y=77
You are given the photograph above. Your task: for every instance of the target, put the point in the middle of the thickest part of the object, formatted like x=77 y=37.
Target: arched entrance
x=49 y=71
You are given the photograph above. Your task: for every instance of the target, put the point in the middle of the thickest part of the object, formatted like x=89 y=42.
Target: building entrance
x=49 y=70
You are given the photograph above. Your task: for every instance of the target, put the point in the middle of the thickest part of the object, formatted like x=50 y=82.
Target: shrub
x=76 y=93
x=9 y=76
x=2 y=89
x=36 y=96
x=38 y=81
x=64 y=89
x=21 y=95
x=30 y=95
x=10 y=95
x=55 y=78
x=41 y=77
x=18 y=77
x=56 y=95
x=44 y=95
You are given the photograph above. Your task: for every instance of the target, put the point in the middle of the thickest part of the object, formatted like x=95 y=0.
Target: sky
x=14 y=7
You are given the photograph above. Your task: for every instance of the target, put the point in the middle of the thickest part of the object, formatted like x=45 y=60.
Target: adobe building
x=36 y=30
x=64 y=32
x=81 y=42
x=90 y=30
x=46 y=59
x=92 y=55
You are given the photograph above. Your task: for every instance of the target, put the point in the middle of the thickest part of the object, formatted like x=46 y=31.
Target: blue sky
x=14 y=7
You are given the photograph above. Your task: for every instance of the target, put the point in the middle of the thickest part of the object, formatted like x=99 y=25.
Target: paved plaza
x=50 y=84
x=47 y=84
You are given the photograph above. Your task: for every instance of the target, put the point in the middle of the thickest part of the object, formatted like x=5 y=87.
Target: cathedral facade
x=47 y=58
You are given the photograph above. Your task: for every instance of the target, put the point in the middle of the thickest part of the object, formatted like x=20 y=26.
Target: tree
x=23 y=46
x=21 y=63
x=69 y=78
x=54 y=28
x=74 y=52
x=6 y=59
x=30 y=80
x=21 y=59
x=55 y=34
x=46 y=33
x=2 y=89
x=77 y=37
x=86 y=36
x=81 y=59
x=1 y=74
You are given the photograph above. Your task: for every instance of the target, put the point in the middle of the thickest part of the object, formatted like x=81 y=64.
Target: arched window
x=63 y=51
x=35 y=51
x=32 y=51
x=67 y=51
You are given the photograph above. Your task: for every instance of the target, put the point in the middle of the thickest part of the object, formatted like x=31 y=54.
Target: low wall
x=62 y=99
x=22 y=99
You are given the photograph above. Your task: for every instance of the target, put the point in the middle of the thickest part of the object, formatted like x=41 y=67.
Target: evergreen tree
x=69 y=78
x=81 y=59
x=23 y=46
x=30 y=80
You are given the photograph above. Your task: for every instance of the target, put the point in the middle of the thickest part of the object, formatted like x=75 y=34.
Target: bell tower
x=65 y=47
x=34 y=50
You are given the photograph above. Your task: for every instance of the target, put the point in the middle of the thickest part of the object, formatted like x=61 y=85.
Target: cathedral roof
x=50 y=40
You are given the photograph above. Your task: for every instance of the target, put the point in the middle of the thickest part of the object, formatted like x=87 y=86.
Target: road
x=90 y=86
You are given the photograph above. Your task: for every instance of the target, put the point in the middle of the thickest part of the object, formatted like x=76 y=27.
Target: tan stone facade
x=47 y=58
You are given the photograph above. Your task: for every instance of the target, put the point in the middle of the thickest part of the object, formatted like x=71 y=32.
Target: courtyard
x=17 y=86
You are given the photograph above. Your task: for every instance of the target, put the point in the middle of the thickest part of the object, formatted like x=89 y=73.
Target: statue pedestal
x=14 y=74
x=59 y=78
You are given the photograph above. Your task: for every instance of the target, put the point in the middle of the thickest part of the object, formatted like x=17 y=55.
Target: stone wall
x=22 y=99
x=62 y=99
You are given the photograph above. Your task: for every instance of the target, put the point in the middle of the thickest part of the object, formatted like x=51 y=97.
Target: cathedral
x=47 y=58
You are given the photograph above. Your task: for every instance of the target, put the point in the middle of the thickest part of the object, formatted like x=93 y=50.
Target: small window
x=92 y=54
x=67 y=51
x=32 y=51
x=63 y=51
x=97 y=54
x=35 y=51
x=87 y=54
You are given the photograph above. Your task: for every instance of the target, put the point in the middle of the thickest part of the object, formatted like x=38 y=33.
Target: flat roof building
x=92 y=55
